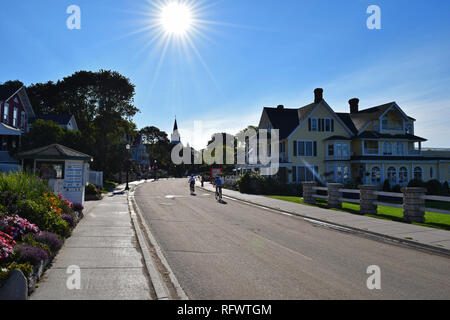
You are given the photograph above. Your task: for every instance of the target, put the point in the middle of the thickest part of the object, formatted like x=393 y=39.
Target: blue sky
x=249 y=55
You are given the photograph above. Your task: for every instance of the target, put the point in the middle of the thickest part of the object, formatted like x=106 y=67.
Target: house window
x=431 y=173
x=341 y=150
x=314 y=124
x=376 y=175
x=51 y=170
x=307 y=173
x=400 y=149
x=418 y=173
x=6 y=113
x=4 y=140
x=331 y=150
x=328 y=127
x=387 y=148
x=409 y=129
x=403 y=175
x=15 y=117
x=392 y=175
x=306 y=148
x=22 y=120
x=342 y=173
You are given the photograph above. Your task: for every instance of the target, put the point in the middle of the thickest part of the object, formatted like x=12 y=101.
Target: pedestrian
x=203 y=180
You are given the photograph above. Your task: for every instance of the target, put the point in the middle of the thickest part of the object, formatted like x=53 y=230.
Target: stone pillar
x=334 y=195
x=368 y=199
x=308 y=192
x=414 y=204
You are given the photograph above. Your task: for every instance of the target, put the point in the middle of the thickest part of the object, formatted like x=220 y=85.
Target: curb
x=162 y=292
x=332 y=225
x=180 y=292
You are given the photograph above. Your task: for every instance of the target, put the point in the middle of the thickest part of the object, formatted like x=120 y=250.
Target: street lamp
x=154 y=167
x=128 y=147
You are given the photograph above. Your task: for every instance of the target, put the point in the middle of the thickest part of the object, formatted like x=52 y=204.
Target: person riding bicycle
x=192 y=183
x=218 y=183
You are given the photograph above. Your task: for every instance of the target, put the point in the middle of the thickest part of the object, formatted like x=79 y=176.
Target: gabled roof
x=347 y=120
x=7 y=92
x=286 y=120
x=54 y=151
x=61 y=119
x=363 y=117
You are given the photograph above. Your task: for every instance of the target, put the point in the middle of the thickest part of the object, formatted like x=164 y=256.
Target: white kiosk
x=65 y=169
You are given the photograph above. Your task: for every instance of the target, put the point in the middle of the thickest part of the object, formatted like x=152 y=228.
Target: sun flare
x=176 y=18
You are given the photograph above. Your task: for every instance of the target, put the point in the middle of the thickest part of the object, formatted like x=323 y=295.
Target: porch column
x=308 y=192
x=414 y=204
x=334 y=195
x=368 y=199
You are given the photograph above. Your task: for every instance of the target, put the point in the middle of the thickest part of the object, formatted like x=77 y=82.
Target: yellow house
x=370 y=145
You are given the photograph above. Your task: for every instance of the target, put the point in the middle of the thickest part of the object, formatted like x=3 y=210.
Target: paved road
x=236 y=251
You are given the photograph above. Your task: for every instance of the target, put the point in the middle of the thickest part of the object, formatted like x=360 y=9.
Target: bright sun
x=176 y=18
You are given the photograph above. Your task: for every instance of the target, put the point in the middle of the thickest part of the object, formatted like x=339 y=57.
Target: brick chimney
x=318 y=95
x=354 y=105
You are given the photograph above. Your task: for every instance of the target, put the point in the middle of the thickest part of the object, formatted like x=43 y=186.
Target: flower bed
x=34 y=222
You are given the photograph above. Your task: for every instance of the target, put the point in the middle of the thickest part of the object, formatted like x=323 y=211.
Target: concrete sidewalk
x=105 y=247
x=428 y=238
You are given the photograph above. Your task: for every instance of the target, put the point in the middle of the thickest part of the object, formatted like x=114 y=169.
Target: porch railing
x=413 y=199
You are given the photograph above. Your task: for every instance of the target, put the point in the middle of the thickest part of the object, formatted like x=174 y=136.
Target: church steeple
x=175 y=138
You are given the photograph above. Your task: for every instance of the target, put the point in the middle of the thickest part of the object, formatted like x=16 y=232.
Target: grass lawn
x=434 y=220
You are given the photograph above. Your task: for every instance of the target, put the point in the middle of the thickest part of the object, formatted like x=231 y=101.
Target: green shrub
x=445 y=189
x=91 y=190
x=415 y=183
x=109 y=185
x=244 y=183
x=397 y=188
x=26 y=268
x=17 y=186
x=386 y=186
x=434 y=187
x=42 y=217
x=254 y=183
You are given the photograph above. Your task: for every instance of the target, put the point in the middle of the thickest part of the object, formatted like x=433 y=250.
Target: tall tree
x=103 y=105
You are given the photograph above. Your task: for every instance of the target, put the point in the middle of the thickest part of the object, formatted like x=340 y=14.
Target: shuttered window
x=305 y=148
x=305 y=173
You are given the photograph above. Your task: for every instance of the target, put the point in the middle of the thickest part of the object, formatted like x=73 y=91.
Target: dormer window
x=409 y=129
x=314 y=124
